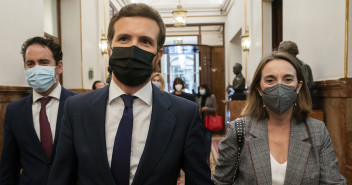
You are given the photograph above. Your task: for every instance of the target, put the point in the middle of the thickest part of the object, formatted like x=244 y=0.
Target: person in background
x=282 y=145
x=158 y=80
x=131 y=132
x=108 y=79
x=98 y=85
x=178 y=86
x=207 y=103
x=32 y=124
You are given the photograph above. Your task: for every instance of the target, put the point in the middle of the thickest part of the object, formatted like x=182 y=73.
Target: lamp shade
x=245 y=41
x=179 y=17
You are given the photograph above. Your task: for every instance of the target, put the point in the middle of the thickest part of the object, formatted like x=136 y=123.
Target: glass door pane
x=183 y=62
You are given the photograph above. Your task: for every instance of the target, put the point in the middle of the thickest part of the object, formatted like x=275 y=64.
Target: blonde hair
x=254 y=103
x=162 y=81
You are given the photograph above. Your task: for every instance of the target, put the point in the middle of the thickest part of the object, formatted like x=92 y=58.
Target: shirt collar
x=145 y=93
x=55 y=93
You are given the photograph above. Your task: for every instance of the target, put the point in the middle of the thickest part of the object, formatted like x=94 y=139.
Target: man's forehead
x=36 y=50
x=130 y=22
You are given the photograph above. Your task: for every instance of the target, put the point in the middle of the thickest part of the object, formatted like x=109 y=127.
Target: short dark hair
x=178 y=80
x=138 y=10
x=93 y=86
x=45 y=42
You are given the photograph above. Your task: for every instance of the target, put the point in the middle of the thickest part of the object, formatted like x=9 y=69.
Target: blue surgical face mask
x=41 y=78
x=202 y=92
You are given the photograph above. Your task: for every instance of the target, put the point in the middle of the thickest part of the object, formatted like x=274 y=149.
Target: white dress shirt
x=278 y=171
x=142 y=110
x=52 y=109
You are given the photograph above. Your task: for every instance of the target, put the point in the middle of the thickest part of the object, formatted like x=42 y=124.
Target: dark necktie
x=121 y=155
x=45 y=131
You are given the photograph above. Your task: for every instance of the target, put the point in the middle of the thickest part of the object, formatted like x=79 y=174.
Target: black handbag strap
x=240 y=131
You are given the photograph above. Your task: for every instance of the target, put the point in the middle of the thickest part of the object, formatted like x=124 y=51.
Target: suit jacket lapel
x=258 y=148
x=63 y=96
x=94 y=125
x=160 y=131
x=298 y=153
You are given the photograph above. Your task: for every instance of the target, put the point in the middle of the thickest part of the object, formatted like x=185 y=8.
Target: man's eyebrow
x=43 y=60
x=122 y=35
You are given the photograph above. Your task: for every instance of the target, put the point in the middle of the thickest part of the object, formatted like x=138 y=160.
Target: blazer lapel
x=298 y=153
x=160 y=131
x=94 y=125
x=258 y=148
x=63 y=97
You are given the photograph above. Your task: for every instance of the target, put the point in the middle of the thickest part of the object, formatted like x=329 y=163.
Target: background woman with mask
x=179 y=84
x=281 y=144
x=207 y=103
x=158 y=80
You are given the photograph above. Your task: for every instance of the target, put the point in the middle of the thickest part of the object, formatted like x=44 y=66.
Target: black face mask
x=131 y=65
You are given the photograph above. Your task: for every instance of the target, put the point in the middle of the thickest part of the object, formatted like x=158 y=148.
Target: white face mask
x=156 y=83
x=178 y=87
x=202 y=92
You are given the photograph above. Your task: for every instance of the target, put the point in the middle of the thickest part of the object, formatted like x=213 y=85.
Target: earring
x=264 y=106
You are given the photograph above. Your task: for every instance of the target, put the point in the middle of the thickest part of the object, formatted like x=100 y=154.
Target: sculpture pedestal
x=235 y=108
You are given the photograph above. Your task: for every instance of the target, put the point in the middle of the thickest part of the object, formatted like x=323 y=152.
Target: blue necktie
x=121 y=155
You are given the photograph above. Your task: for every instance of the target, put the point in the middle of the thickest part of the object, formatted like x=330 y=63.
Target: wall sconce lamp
x=179 y=16
x=104 y=44
x=245 y=41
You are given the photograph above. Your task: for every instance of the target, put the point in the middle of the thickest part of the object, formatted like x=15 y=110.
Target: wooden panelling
x=79 y=91
x=337 y=106
x=218 y=78
x=9 y=94
x=205 y=65
x=235 y=108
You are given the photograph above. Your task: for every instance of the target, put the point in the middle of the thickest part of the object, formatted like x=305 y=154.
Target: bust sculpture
x=238 y=84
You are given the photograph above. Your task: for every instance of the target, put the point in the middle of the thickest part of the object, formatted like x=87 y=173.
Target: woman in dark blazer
x=207 y=103
x=281 y=144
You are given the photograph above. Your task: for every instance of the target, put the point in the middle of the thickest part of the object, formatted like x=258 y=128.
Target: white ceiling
x=199 y=8
x=203 y=9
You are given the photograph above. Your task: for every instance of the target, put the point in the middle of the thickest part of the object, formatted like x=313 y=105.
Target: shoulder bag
x=213 y=122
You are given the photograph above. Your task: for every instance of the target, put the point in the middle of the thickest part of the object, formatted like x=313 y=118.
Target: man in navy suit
x=31 y=130
x=167 y=134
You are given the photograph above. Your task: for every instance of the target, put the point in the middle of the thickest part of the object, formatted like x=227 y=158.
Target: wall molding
x=335 y=88
x=13 y=93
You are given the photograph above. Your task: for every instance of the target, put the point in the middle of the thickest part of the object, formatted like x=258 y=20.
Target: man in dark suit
x=32 y=124
x=99 y=145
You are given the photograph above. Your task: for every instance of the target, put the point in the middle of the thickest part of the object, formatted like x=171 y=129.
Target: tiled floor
x=213 y=156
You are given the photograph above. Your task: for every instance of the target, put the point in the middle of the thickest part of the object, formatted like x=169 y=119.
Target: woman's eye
x=289 y=79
